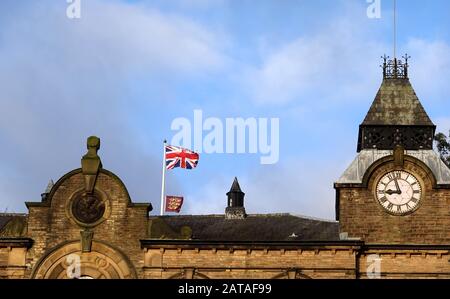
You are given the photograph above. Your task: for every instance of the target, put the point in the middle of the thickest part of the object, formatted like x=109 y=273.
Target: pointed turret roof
x=396 y=103
x=235 y=186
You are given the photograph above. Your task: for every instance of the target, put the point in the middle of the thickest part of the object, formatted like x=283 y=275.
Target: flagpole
x=163 y=177
x=395 y=29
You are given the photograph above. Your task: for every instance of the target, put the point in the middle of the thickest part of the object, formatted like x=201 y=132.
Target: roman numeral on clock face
x=394 y=175
x=390 y=206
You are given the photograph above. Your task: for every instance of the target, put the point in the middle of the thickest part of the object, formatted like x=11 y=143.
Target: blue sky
x=127 y=69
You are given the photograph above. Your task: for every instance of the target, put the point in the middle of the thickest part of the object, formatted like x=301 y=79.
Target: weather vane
x=395 y=68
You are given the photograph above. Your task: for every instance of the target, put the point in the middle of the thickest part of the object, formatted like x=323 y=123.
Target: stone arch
x=188 y=273
x=178 y=275
x=389 y=159
x=78 y=171
x=103 y=262
x=291 y=274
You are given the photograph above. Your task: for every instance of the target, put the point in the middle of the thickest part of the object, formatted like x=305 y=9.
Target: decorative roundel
x=88 y=208
x=399 y=192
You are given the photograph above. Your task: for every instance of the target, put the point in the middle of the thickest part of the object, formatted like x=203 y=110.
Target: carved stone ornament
x=88 y=208
x=91 y=163
x=86 y=240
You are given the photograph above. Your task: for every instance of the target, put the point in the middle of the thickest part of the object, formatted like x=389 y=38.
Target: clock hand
x=390 y=192
x=399 y=191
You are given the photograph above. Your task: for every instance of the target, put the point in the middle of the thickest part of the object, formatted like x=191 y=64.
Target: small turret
x=235 y=208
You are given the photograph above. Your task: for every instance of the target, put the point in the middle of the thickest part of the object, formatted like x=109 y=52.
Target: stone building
x=392 y=212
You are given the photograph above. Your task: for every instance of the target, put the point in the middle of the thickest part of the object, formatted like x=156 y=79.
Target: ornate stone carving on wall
x=91 y=163
x=88 y=209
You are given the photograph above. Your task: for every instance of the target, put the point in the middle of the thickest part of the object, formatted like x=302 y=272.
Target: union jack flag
x=180 y=157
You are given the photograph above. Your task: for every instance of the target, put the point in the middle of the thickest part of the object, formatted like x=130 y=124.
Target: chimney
x=235 y=208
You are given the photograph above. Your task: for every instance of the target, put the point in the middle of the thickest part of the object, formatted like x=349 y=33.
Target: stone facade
x=362 y=216
x=53 y=231
x=128 y=243
x=51 y=224
x=87 y=226
x=264 y=261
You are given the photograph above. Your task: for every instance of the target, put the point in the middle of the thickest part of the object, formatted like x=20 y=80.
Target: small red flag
x=174 y=203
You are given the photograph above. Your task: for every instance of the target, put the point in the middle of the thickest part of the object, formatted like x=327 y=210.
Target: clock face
x=399 y=192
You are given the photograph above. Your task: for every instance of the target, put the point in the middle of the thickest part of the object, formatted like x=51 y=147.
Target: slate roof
x=5 y=218
x=235 y=187
x=355 y=172
x=396 y=103
x=260 y=227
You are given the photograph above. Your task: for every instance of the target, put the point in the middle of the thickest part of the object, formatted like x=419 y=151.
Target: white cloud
x=340 y=60
x=295 y=186
x=115 y=35
x=430 y=66
x=210 y=198
x=63 y=80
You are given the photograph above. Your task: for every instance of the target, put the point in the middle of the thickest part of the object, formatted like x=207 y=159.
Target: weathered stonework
x=50 y=225
x=129 y=244
x=361 y=216
x=235 y=213
x=88 y=218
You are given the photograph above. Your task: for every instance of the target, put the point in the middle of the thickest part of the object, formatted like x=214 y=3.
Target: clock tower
x=397 y=189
